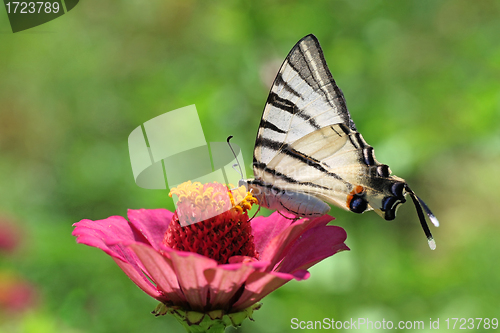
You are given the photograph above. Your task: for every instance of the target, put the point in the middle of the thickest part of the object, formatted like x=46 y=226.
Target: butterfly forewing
x=303 y=98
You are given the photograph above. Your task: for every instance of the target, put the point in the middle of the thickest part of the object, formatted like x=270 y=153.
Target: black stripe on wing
x=278 y=81
x=307 y=59
x=308 y=160
x=368 y=152
x=281 y=103
x=268 y=143
x=290 y=107
x=271 y=126
x=263 y=167
x=283 y=148
x=368 y=155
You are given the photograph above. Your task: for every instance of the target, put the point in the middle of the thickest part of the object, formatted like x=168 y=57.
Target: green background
x=422 y=83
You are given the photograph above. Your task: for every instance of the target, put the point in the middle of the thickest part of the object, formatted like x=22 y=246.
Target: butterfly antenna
x=237 y=162
x=417 y=202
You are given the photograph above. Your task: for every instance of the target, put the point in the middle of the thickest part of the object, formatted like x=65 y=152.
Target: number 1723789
x=32 y=7
x=471 y=323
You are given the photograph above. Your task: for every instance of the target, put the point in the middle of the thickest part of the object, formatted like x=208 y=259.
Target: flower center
x=224 y=230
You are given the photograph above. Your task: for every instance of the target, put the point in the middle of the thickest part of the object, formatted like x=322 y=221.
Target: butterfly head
x=243 y=182
x=258 y=190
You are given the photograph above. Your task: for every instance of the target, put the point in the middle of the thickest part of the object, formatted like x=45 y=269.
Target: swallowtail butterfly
x=308 y=150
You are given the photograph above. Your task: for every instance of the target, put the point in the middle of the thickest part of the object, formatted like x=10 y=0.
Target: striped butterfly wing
x=303 y=98
x=308 y=149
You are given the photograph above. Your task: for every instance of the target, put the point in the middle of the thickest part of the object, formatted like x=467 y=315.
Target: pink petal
x=278 y=247
x=225 y=281
x=315 y=245
x=101 y=233
x=159 y=268
x=140 y=280
x=189 y=268
x=264 y=229
x=260 y=284
x=151 y=223
x=112 y=235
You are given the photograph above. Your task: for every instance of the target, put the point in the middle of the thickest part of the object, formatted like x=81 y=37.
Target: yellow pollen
x=208 y=196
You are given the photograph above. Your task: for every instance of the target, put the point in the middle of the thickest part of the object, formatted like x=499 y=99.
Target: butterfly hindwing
x=334 y=163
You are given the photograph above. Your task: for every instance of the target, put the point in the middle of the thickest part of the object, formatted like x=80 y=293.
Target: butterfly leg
x=294 y=219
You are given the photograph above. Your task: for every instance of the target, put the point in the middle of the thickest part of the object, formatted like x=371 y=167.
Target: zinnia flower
x=212 y=273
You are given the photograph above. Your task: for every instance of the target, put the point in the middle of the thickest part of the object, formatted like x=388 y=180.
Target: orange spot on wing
x=357 y=190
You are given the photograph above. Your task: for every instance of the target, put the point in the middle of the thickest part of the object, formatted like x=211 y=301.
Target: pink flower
x=16 y=294
x=223 y=263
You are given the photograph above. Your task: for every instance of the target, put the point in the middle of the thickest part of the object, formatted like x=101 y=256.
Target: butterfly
x=308 y=152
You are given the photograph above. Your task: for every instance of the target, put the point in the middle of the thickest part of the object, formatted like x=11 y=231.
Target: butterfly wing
x=304 y=98
x=336 y=165
x=308 y=148
x=308 y=143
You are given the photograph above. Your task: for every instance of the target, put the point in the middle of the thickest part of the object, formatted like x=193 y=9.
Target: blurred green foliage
x=422 y=83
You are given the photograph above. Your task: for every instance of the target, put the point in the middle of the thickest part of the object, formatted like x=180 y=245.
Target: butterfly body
x=299 y=204
x=308 y=151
